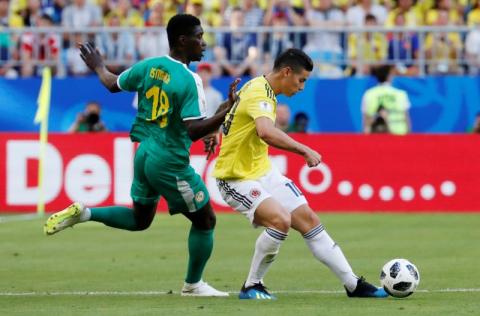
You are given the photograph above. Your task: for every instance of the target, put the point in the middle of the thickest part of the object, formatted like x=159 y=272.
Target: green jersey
x=168 y=94
x=395 y=102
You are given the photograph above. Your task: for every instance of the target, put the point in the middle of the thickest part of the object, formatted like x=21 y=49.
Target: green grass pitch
x=95 y=270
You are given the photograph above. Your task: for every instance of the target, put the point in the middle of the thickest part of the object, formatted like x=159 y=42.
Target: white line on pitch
x=152 y=293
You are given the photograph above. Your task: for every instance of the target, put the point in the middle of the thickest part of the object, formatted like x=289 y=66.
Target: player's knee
x=142 y=225
x=210 y=221
x=282 y=221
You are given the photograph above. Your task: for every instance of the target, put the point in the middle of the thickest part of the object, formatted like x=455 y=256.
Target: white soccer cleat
x=63 y=219
x=201 y=289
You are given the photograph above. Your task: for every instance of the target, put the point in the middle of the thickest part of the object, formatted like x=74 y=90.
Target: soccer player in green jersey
x=171 y=112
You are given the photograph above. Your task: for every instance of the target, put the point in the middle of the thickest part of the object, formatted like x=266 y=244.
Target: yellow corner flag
x=42 y=117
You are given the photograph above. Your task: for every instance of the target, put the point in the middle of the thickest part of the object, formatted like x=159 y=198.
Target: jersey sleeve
x=194 y=105
x=131 y=79
x=260 y=105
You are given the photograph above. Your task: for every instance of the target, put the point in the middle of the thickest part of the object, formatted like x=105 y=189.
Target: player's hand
x=210 y=142
x=90 y=55
x=312 y=157
x=232 y=91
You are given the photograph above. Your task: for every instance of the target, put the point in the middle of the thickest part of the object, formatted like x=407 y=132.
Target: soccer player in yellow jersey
x=251 y=185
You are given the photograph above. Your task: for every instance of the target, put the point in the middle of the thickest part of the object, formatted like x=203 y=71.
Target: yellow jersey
x=244 y=155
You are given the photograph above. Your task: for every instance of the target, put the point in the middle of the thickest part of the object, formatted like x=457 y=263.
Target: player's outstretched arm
x=92 y=58
x=273 y=136
x=199 y=128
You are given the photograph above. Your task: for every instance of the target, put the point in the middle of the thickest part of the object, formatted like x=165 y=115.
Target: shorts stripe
x=314 y=232
x=187 y=194
x=276 y=234
x=235 y=195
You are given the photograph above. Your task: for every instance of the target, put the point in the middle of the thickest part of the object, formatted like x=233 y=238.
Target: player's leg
x=306 y=222
x=186 y=193
x=252 y=200
x=137 y=218
x=200 y=242
x=276 y=220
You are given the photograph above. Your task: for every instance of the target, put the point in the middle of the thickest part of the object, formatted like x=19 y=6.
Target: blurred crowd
x=236 y=53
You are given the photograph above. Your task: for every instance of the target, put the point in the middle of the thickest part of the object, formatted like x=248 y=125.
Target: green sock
x=115 y=216
x=200 y=245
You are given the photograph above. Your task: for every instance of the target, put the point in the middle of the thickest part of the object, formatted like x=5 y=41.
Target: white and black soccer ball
x=399 y=277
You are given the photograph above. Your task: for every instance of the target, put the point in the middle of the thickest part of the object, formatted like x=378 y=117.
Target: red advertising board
x=359 y=173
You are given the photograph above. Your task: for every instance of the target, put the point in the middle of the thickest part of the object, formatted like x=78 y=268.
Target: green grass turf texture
x=95 y=258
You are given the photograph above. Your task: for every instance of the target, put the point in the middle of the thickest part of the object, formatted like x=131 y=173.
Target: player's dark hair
x=180 y=24
x=382 y=72
x=295 y=59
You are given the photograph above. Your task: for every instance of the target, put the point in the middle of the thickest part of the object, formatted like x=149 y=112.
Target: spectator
x=356 y=15
x=154 y=42
x=403 y=49
x=75 y=65
x=128 y=15
x=473 y=17
x=282 y=120
x=7 y=42
x=300 y=123
x=253 y=15
x=472 y=49
x=32 y=14
x=394 y=101
x=118 y=48
x=43 y=47
x=412 y=15
x=89 y=120
x=289 y=16
x=277 y=41
x=366 y=49
x=325 y=47
x=453 y=17
x=443 y=48
x=54 y=9
x=476 y=124
x=213 y=97
x=237 y=53
x=81 y=14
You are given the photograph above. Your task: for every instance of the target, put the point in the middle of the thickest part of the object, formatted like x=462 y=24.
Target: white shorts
x=244 y=196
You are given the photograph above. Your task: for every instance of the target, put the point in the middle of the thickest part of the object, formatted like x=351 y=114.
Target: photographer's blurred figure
x=89 y=120
x=213 y=97
x=476 y=124
x=282 y=120
x=300 y=123
x=394 y=101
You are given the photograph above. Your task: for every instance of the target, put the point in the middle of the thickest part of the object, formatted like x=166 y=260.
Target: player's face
x=295 y=81
x=195 y=45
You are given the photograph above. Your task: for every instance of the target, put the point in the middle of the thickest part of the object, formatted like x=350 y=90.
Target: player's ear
x=182 y=39
x=287 y=71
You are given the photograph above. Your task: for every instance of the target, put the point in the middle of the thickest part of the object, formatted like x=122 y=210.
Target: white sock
x=85 y=215
x=266 y=250
x=329 y=253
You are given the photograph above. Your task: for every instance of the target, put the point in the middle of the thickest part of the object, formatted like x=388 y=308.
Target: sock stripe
x=314 y=232
x=276 y=234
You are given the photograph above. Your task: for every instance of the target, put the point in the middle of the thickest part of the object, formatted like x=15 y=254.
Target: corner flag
x=41 y=117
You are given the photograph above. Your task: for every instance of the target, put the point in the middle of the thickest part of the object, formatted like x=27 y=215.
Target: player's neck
x=179 y=56
x=273 y=82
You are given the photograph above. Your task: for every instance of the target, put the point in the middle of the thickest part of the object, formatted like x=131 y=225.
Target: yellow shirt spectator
x=372 y=47
x=413 y=17
x=473 y=17
x=432 y=16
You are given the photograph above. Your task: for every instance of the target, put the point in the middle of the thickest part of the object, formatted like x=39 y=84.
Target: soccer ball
x=399 y=277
